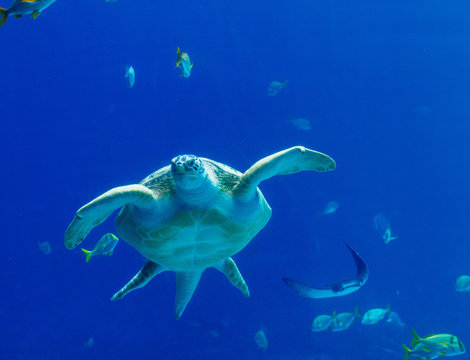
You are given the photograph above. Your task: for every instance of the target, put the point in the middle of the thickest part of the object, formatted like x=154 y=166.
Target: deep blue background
x=386 y=86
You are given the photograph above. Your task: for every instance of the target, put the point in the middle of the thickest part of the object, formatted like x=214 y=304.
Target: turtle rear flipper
x=98 y=210
x=230 y=270
x=289 y=161
x=147 y=273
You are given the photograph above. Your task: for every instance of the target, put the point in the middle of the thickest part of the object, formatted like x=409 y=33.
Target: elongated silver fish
x=340 y=288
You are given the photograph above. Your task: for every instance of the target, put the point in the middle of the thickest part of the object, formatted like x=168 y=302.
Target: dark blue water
x=386 y=88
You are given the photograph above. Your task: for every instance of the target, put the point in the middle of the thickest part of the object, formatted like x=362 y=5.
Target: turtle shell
x=197 y=228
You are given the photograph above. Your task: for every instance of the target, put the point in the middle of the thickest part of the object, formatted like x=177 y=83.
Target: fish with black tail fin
x=20 y=8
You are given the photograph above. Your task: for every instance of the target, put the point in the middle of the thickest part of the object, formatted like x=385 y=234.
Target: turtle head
x=189 y=171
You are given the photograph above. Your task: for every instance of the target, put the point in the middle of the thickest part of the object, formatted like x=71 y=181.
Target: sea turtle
x=191 y=215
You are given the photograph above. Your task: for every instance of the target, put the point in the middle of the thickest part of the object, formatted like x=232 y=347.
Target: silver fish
x=275 y=87
x=130 y=75
x=300 y=123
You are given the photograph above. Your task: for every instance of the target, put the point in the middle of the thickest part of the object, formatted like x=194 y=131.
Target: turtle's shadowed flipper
x=147 y=273
x=186 y=283
x=284 y=162
x=229 y=269
x=98 y=210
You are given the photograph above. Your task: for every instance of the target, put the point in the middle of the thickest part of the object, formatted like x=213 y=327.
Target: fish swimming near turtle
x=340 y=288
x=183 y=62
x=191 y=215
x=373 y=316
x=130 y=76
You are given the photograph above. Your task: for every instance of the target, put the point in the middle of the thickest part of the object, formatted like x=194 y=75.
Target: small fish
x=394 y=318
x=300 y=123
x=330 y=208
x=20 y=8
x=419 y=352
x=340 y=288
x=373 y=316
x=387 y=236
x=104 y=246
x=183 y=62
x=261 y=340
x=322 y=322
x=463 y=283
x=442 y=344
x=343 y=321
x=45 y=247
x=89 y=343
x=382 y=225
x=275 y=87
x=130 y=75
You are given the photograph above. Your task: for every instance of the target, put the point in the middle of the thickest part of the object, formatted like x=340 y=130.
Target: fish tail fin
x=88 y=254
x=388 y=308
x=416 y=338
x=407 y=352
x=285 y=83
x=356 y=312
x=178 y=56
x=334 y=314
x=4 y=14
x=35 y=14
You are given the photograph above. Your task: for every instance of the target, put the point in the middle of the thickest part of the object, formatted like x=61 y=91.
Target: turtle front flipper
x=147 y=273
x=230 y=270
x=186 y=283
x=98 y=210
x=289 y=161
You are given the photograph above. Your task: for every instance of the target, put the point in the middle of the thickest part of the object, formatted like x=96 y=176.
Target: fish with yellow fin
x=183 y=62
x=20 y=8
x=104 y=246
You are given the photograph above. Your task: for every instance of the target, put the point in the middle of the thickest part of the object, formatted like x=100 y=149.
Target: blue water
x=386 y=87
